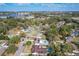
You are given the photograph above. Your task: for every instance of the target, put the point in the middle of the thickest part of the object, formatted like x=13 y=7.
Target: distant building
x=21 y=16
x=3 y=17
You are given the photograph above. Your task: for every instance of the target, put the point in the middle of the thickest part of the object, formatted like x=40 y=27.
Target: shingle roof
x=38 y=49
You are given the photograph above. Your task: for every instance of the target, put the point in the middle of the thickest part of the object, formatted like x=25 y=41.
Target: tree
x=51 y=50
x=65 y=30
x=3 y=29
x=14 y=40
x=3 y=37
x=28 y=43
x=22 y=34
x=30 y=55
x=51 y=33
x=11 y=23
x=6 y=38
x=56 y=50
x=11 y=49
x=67 y=48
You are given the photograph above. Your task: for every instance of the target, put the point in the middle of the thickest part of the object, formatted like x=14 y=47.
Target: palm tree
x=28 y=43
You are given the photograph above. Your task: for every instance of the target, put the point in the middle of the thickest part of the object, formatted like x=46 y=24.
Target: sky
x=39 y=6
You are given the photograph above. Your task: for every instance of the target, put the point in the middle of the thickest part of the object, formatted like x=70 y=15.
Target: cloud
x=20 y=3
x=53 y=5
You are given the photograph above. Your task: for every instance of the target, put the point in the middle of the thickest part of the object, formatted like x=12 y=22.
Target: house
x=41 y=42
x=69 y=38
x=69 y=23
x=40 y=47
x=70 y=54
x=59 y=24
x=75 y=51
x=61 y=41
x=39 y=50
x=44 y=42
x=75 y=33
x=76 y=19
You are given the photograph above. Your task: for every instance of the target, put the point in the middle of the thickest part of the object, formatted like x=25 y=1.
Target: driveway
x=2 y=50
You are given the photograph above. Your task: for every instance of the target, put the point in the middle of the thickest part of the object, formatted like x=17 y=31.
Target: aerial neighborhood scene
x=39 y=29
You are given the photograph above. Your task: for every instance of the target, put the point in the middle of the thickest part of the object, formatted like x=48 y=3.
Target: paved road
x=74 y=46
x=2 y=50
x=20 y=49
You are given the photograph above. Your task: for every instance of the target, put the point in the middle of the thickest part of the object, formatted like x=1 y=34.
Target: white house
x=41 y=42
